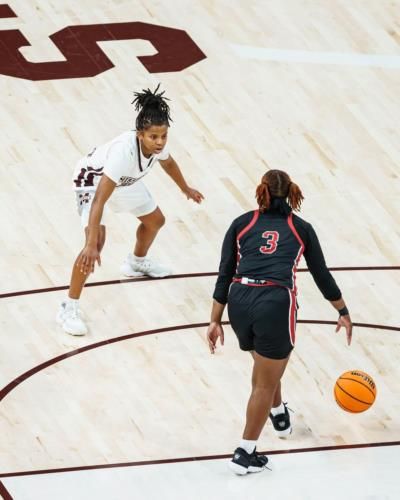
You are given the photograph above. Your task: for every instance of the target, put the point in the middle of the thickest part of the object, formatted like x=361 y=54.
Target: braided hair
x=152 y=109
x=276 y=186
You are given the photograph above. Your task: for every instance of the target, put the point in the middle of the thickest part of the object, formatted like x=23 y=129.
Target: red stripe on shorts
x=292 y=316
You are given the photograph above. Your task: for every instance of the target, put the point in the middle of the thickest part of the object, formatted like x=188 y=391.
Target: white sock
x=138 y=259
x=68 y=300
x=247 y=445
x=278 y=410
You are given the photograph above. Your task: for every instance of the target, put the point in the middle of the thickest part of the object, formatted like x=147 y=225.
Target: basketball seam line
x=358 y=382
x=345 y=408
x=353 y=397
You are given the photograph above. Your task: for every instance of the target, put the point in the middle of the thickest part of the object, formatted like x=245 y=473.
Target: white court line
x=305 y=56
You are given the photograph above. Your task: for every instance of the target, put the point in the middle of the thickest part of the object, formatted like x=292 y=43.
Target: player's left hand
x=193 y=194
x=348 y=325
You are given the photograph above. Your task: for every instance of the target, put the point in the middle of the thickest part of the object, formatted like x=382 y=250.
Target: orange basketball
x=355 y=391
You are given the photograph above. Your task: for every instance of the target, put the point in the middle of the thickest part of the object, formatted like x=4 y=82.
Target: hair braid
x=152 y=108
x=295 y=196
x=263 y=196
x=277 y=184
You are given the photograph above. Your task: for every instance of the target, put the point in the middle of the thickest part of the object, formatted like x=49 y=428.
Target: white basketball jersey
x=120 y=159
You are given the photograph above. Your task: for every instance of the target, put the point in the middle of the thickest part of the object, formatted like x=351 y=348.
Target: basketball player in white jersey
x=112 y=174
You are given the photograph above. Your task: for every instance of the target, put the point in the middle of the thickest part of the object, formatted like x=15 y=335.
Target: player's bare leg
x=147 y=231
x=78 y=278
x=137 y=264
x=265 y=379
x=277 y=399
x=69 y=315
x=279 y=415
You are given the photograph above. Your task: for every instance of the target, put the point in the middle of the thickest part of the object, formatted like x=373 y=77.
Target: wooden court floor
x=308 y=87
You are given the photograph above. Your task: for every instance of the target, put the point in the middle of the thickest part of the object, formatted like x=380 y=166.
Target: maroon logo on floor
x=84 y=58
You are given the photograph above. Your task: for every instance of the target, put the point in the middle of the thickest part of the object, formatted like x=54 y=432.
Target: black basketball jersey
x=268 y=246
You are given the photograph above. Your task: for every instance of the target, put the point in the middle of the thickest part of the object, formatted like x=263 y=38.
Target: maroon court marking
x=3 y=490
x=24 y=376
x=197 y=459
x=84 y=58
x=175 y=276
x=104 y=283
x=8 y=388
x=6 y=11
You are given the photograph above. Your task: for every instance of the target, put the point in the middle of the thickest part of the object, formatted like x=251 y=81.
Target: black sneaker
x=243 y=462
x=281 y=423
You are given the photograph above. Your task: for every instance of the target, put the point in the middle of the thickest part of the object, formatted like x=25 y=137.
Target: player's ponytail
x=295 y=196
x=152 y=107
x=276 y=187
x=263 y=196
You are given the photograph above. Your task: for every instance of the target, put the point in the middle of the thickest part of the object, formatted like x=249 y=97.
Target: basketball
x=355 y=391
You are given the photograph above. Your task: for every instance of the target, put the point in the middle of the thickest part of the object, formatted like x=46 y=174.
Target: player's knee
x=156 y=222
x=161 y=220
x=262 y=392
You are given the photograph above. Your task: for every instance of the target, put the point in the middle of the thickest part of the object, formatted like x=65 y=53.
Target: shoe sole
x=136 y=274
x=133 y=274
x=162 y=275
x=75 y=334
x=240 y=470
x=126 y=271
x=284 y=434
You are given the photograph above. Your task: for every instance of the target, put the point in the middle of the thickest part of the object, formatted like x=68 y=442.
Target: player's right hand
x=87 y=259
x=214 y=331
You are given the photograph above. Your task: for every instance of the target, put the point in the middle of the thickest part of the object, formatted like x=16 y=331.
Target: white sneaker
x=69 y=317
x=132 y=268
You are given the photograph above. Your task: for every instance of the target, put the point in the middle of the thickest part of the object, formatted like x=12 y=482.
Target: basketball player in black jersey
x=257 y=279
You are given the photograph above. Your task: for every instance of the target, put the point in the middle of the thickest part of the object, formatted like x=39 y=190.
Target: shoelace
x=75 y=312
x=286 y=406
x=146 y=264
x=261 y=454
x=143 y=264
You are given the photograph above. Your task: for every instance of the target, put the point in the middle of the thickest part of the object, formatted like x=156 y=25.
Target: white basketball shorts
x=135 y=199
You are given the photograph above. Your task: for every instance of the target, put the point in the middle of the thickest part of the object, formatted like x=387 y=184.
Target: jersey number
x=83 y=57
x=272 y=238
x=86 y=176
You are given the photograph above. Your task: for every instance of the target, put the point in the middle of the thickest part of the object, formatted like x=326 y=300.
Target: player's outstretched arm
x=90 y=254
x=172 y=169
x=324 y=280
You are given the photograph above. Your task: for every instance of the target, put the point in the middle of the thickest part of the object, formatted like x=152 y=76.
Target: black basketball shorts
x=263 y=318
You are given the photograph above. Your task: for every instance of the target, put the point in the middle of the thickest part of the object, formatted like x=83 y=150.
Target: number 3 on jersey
x=272 y=238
